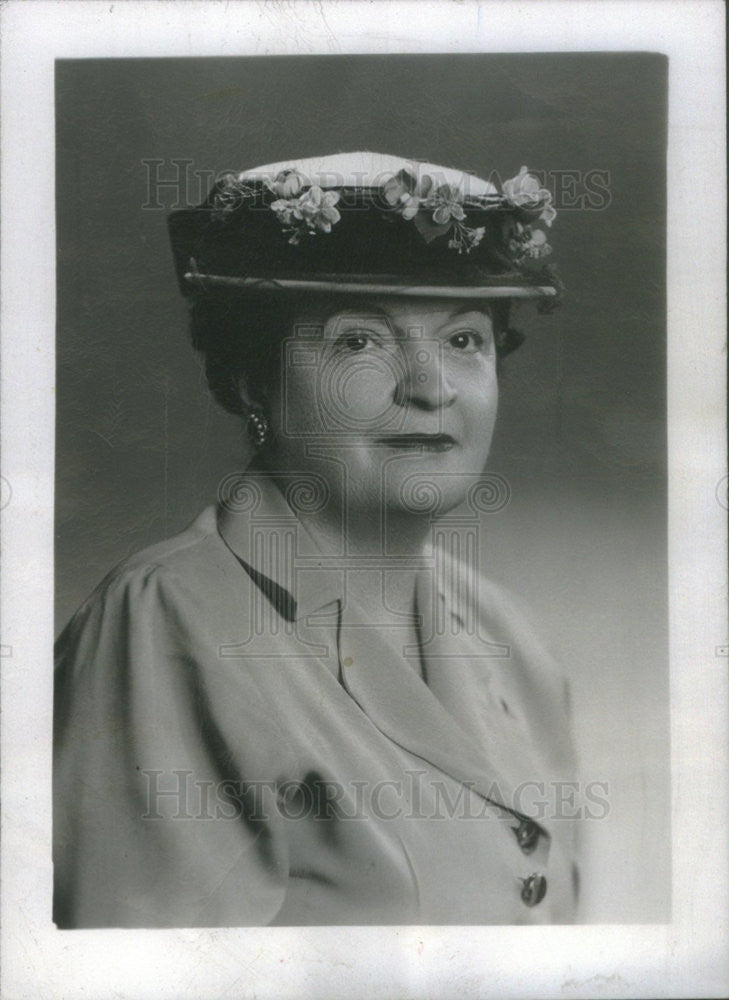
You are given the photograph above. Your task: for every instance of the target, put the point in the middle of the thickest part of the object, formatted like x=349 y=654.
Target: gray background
x=140 y=447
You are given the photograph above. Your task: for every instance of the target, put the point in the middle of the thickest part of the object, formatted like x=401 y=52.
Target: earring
x=257 y=427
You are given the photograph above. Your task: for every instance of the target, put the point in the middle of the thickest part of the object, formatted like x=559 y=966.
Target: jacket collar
x=261 y=529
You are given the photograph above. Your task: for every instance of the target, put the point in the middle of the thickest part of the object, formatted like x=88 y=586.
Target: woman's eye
x=356 y=341
x=466 y=340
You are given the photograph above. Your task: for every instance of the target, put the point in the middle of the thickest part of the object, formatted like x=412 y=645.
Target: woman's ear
x=256 y=396
x=244 y=394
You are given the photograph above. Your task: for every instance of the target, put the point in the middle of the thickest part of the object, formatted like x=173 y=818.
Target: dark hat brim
x=499 y=288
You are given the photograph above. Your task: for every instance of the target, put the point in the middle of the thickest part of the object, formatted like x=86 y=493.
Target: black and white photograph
x=429 y=294
x=359 y=615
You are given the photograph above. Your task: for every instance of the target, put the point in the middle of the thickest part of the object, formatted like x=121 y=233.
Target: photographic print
x=370 y=652
x=363 y=500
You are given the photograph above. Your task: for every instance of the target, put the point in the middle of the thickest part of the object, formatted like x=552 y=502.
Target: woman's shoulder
x=504 y=610
x=191 y=569
x=176 y=552
x=493 y=601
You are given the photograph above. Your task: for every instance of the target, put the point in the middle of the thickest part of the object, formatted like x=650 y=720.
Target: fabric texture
x=238 y=743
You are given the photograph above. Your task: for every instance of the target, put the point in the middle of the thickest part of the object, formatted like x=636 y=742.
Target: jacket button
x=527 y=836
x=533 y=889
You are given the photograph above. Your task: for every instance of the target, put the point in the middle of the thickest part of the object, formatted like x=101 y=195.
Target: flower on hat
x=316 y=208
x=313 y=211
x=404 y=193
x=446 y=202
x=284 y=209
x=288 y=184
x=525 y=193
x=526 y=243
x=465 y=238
x=230 y=194
x=537 y=245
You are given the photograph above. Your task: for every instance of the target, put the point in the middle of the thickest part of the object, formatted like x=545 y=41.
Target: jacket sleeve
x=154 y=824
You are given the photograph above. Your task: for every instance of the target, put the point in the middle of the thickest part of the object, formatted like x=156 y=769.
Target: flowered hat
x=368 y=222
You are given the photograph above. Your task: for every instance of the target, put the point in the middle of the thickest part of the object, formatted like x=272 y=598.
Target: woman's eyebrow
x=365 y=313
x=469 y=308
x=369 y=314
x=368 y=311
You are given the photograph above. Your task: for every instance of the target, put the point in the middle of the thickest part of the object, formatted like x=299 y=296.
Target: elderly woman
x=309 y=707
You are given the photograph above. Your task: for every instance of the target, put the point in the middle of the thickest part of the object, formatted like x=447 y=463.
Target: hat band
x=195 y=278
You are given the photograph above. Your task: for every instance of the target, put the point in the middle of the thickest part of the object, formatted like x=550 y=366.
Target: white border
x=686 y=958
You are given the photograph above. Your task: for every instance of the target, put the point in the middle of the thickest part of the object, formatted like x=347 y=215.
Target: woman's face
x=387 y=399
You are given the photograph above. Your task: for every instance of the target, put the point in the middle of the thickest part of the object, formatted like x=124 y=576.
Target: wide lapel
x=473 y=676
x=406 y=709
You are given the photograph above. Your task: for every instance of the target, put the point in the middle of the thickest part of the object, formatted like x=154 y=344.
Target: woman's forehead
x=400 y=312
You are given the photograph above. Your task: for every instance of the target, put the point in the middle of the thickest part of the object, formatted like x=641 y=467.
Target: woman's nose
x=424 y=381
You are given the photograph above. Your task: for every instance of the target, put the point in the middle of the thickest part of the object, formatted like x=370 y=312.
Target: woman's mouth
x=424 y=442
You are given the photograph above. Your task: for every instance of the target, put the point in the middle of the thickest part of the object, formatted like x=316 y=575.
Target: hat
x=368 y=223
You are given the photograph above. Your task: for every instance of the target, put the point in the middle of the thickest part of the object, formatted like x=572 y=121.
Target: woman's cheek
x=368 y=398
x=296 y=409
x=482 y=403
x=356 y=395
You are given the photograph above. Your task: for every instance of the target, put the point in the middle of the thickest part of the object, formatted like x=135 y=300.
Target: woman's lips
x=425 y=442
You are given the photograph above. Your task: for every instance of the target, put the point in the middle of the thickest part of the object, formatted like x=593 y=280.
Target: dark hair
x=240 y=335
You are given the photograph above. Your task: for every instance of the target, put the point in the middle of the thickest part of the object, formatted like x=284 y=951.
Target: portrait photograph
x=360 y=608
x=505 y=571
